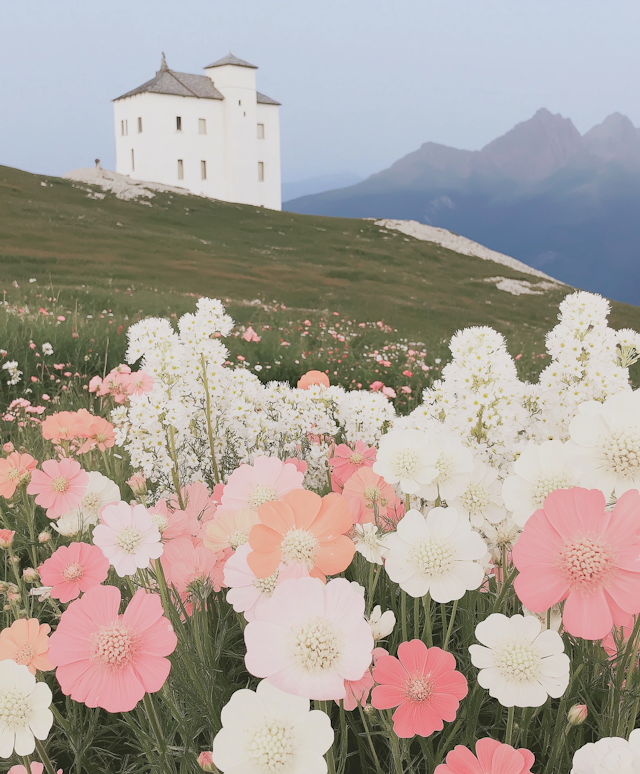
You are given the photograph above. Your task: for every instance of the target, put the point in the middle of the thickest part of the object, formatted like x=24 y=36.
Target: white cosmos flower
x=369 y=543
x=521 y=664
x=482 y=497
x=605 y=444
x=611 y=755
x=454 y=465
x=271 y=731
x=24 y=709
x=437 y=555
x=538 y=471
x=382 y=624
x=407 y=458
x=100 y=492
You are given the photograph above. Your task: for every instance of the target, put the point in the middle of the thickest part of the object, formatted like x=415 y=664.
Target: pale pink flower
x=282 y=640
x=171 y=523
x=59 y=486
x=229 y=529
x=199 y=505
x=249 y=486
x=247 y=593
x=128 y=537
x=109 y=660
x=183 y=563
x=357 y=691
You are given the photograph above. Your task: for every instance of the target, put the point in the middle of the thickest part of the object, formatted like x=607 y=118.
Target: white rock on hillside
x=460 y=244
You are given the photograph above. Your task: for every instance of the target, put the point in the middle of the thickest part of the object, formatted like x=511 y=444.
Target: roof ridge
x=184 y=85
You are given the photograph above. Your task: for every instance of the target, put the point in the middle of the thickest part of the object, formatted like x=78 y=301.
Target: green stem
x=509 y=733
x=26 y=763
x=395 y=749
x=174 y=469
x=154 y=720
x=450 y=627
x=426 y=633
x=29 y=510
x=506 y=586
x=369 y=739
x=416 y=618
x=375 y=574
x=403 y=614
x=44 y=758
x=216 y=475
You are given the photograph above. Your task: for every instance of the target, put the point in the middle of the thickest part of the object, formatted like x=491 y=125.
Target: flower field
x=424 y=557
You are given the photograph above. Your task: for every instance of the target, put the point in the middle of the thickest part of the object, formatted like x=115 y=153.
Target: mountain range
x=563 y=202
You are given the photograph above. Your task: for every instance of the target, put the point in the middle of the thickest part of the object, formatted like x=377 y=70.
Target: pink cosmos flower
x=491 y=757
x=140 y=383
x=15 y=470
x=347 y=461
x=94 y=383
x=171 y=523
x=373 y=492
x=109 y=660
x=128 y=537
x=357 y=691
x=423 y=684
x=249 y=486
x=247 y=593
x=309 y=638
x=575 y=550
x=36 y=768
x=199 y=505
x=183 y=563
x=72 y=569
x=6 y=538
x=59 y=486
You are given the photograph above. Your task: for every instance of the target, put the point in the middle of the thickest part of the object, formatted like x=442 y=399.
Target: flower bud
x=30 y=575
x=8 y=447
x=13 y=596
x=205 y=761
x=577 y=714
x=138 y=484
x=44 y=537
x=6 y=538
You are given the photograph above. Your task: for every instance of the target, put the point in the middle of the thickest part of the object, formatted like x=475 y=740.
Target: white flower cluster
x=13 y=372
x=203 y=418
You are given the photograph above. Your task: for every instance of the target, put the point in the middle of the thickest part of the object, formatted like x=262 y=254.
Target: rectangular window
x=180 y=170
x=122 y=128
x=202 y=126
x=261 y=171
x=261 y=131
x=203 y=170
x=126 y=126
x=178 y=123
x=133 y=161
x=139 y=125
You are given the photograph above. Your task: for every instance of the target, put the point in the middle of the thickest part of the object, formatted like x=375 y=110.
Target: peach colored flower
x=492 y=757
x=15 y=470
x=347 y=461
x=372 y=490
x=183 y=563
x=61 y=426
x=59 y=486
x=199 y=505
x=311 y=378
x=267 y=479
x=171 y=523
x=229 y=529
x=302 y=527
x=26 y=642
x=99 y=433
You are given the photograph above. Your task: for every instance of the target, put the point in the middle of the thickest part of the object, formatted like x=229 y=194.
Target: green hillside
x=51 y=229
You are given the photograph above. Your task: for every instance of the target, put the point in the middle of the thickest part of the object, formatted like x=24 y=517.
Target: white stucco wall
x=230 y=147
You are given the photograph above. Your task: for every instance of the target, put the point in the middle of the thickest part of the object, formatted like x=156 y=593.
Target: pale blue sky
x=362 y=82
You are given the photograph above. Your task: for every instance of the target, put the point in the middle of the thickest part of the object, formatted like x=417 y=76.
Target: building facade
x=212 y=134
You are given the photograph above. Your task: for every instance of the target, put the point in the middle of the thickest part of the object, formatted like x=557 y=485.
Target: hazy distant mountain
x=314 y=185
x=559 y=201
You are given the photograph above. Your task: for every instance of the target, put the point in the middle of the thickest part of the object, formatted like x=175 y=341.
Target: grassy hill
x=52 y=229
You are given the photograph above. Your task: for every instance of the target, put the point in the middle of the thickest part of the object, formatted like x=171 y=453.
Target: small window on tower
x=139 y=125
x=261 y=171
x=239 y=102
x=203 y=170
x=126 y=126
x=178 y=123
x=180 y=170
x=133 y=161
x=261 y=131
x=202 y=126
x=122 y=128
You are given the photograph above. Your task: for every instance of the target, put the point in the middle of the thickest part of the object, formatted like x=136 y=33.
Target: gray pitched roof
x=179 y=84
x=230 y=59
x=264 y=100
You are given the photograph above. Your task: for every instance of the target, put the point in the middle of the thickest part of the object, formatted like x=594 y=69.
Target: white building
x=213 y=134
